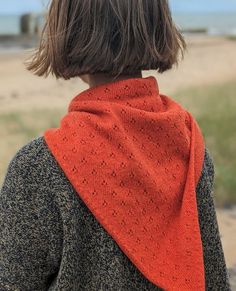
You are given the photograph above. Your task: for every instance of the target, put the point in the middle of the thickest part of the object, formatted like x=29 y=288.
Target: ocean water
x=9 y=24
x=216 y=23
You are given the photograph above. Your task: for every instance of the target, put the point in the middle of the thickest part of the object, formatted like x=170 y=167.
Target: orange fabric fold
x=135 y=157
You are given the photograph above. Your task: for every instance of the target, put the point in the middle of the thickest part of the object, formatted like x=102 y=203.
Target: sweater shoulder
x=29 y=153
x=34 y=163
x=207 y=174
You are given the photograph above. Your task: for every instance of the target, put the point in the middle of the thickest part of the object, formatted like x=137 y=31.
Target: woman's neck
x=102 y=78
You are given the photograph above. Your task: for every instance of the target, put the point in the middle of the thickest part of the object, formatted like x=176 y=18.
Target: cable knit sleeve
x=216 y=274
x=28 y=257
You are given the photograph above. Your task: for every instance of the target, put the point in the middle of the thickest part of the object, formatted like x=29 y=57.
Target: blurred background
x=204 y=83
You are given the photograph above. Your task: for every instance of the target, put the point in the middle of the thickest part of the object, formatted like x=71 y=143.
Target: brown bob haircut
x=107 y=36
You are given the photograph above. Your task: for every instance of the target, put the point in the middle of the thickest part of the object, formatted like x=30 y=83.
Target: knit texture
x=50 y=240
x=135 y=157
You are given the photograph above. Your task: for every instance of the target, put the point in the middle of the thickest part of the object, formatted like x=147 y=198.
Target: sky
x=203 y=5
x=22 y=6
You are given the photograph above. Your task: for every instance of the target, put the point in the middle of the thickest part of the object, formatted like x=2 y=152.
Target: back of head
x=109 y=36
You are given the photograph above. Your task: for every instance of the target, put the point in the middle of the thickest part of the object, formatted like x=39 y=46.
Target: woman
x=119 y=196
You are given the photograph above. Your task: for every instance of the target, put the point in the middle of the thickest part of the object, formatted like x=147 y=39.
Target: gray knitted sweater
x=49 y=240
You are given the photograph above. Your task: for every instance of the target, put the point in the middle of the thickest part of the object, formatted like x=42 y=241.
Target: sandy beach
x=209 y=60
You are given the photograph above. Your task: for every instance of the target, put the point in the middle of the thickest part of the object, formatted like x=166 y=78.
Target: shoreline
x=19 y=43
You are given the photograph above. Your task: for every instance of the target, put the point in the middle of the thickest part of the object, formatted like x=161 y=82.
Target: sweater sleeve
x=216 y=274
x=28 y=227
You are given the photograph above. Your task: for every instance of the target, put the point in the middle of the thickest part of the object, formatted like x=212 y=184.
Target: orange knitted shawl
x=135 y=157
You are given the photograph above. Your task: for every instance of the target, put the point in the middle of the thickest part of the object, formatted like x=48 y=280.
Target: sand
x=207 y=61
